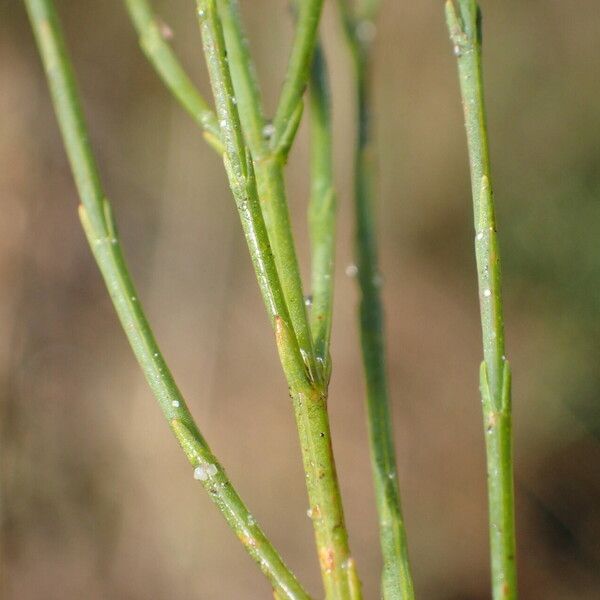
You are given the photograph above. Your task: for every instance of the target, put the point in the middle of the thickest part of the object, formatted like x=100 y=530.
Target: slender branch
x=296 y=78
x=168 y=67
x=243 y=75
x=309 y=399
x=99 y=226
x=322 y=211
x=396 y=576
x=268 y=164
x=239 y=167
x=465 y=33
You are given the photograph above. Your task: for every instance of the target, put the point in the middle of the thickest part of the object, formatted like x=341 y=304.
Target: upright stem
x=99 y=225
x=308 y=396
x=162 y=57
x=268 y=164
x=322 y=210
x=396 y=576
x=309 y=14
x=465 y=33
x=243 y=75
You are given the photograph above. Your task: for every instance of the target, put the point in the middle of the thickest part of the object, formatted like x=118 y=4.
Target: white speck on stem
x=487 y=293
x=351 y=270
x=223 y=123
x=200 y=473
x=308 y=300
x=175 y=403
x=268 y=131
x=309 y=513
x=480 y=236
x=203 y=472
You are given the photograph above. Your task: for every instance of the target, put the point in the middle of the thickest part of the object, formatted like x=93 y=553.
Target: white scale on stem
x=203 y=472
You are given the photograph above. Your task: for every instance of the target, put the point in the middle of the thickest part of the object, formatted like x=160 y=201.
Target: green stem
x=243 y=75
x=269 y=173
x=396 y=576
x=163 y=59
x=321 y=212
x=309 y=399
x=99 y=226
x=465 y=33
x=296 y=78
x=268 y=164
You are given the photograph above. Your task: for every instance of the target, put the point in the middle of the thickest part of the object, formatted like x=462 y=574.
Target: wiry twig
x=322 y=211
x=465 y=33
x=309 y=397
x=396 y=576
x=162 y=57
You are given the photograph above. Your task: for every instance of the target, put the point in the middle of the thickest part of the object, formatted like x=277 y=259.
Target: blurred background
x=97 y=500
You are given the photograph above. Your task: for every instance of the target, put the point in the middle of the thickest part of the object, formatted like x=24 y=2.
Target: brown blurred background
x=97 y=500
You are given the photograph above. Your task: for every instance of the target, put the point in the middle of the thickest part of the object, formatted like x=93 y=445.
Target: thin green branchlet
x=100 y=229
x=240 y=169
x=309 y=398
x=396 y=578
x=166 y=64
x=243 y=75
x=268 y=163
x=321 y=211
x=296 y=78
x=464 y=23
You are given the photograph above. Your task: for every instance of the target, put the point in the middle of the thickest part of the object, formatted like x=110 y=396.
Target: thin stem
x=465 y=33
x=168 y=67
x=100 y=229
x=309 y=399
x=239 y=167
x=268 y=165
x=243 y=75
x=296 y=78
x=322 y=211
x=396 y=576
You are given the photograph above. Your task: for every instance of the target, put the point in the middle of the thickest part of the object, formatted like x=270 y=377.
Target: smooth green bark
x=100 y=229
x=464 y=23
